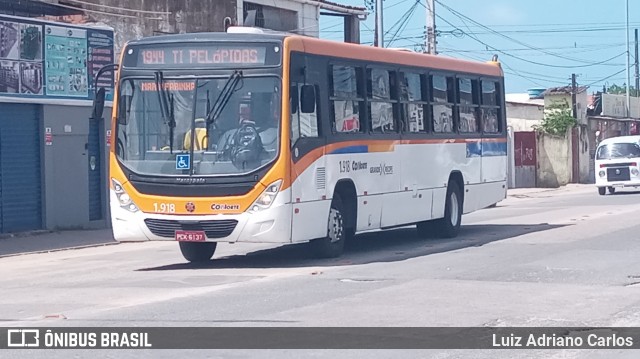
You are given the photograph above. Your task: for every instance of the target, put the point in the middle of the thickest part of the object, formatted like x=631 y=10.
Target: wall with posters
x=47 y=69
x=52 y=60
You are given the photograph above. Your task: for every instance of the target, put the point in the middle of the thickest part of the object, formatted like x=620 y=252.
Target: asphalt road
x=558 y=258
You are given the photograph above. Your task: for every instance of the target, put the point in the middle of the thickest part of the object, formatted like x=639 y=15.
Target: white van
x=616 y=163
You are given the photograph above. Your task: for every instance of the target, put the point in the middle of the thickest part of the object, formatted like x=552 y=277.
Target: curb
x=26 y=234
x=534 y=191
x=58 y=249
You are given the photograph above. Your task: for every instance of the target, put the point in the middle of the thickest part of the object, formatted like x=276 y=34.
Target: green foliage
x=621 y=90
x=557 y=119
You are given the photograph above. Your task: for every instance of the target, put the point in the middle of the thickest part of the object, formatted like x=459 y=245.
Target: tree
x=557 y=119
x=621 y=90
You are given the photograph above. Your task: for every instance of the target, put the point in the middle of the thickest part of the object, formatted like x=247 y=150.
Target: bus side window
x=302 y=124
x=490 y=107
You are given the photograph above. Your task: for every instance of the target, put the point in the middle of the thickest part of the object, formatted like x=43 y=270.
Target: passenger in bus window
x=268 y=130
x=200 y=140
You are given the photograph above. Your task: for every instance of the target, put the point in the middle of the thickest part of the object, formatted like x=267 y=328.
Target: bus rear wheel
x=449 y=226
x=198 y=251
x=612 y=190
x=333 y=244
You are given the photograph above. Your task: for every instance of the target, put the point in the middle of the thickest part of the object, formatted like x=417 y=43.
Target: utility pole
x=379 y=25
x=430 y=39
x=574 y=89
x=636 y=65
x=628 y=112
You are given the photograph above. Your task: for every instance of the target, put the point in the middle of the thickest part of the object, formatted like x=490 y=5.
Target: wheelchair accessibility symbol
x=182 y=162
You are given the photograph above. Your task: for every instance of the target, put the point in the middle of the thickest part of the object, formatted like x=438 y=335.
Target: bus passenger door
x=309 y=187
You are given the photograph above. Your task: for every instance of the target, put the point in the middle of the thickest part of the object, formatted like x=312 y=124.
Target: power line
x=405 y=20
x=606 y=78
x=526 y=60
x=462 y=17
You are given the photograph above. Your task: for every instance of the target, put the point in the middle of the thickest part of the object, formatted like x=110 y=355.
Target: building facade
x=52 y=155
x=136 y=19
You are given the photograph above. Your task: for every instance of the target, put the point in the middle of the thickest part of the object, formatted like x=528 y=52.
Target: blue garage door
x=20 y=190
x=95 y=171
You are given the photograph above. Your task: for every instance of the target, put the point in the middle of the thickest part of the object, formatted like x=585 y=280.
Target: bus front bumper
x=272 y=225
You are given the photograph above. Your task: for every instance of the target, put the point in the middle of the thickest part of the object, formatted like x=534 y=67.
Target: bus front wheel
x=333 y=244
x=449 y=226
x=198 y=251
x=602 y=191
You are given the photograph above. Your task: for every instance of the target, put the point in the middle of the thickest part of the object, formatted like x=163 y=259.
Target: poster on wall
x=9 y=40
x=9 y=76
x=66 y=61
x=9 y=54
x=31 y=59
x=46 y=59
x=101 y=53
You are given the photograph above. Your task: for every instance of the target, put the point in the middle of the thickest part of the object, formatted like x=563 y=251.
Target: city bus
x=250 y=136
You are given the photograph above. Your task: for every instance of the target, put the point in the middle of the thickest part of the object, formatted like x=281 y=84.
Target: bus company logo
x=225 y=207
x=23 y=338
x=382 y=170
x=190 y=207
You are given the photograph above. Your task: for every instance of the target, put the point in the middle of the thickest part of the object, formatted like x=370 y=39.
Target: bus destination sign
x=201 y=55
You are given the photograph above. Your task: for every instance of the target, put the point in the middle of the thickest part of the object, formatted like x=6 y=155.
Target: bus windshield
x=618 y=150
x=175 y=131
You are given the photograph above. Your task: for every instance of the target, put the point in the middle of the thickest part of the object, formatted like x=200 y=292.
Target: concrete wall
x=66 y=168
x=157 y=17
x=522 y=117
x=308 y=15
x=554 y=160
x=581 y=104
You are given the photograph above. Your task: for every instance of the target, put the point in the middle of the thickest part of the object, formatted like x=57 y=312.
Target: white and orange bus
x=257 y=137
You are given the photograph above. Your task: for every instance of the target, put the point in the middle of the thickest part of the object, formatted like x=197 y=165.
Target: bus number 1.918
x=344 y=166
x=164 y=207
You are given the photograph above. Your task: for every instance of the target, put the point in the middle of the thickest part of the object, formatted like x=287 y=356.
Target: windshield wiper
x=223 y=98
x=165 y=110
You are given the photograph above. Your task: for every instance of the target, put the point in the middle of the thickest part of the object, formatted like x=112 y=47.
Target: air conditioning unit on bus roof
x=400 y=49
x=254 y=30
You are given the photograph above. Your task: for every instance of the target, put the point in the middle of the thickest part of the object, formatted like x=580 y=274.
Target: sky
x=539 y=43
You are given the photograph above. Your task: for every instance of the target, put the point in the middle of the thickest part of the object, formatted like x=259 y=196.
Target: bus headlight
x=123 y=198
x=267 y=197
x=634 y=171
x=602 y=173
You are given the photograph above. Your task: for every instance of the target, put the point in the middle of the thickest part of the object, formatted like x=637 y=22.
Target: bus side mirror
x=98 y=104
x=308 y=99
x=293 y=95
x=124 y=102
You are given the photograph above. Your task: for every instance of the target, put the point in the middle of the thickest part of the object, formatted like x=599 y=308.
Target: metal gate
x=95 y=171
x=525 y=159
x=20 y=180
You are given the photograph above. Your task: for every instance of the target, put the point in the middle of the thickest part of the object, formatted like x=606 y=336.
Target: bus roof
x=335 y=48
x=394 y=56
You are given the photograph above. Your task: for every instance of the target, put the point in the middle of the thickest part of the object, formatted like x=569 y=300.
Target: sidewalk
x=44 y=241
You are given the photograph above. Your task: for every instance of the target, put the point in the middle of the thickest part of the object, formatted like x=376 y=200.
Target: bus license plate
x=190 y=236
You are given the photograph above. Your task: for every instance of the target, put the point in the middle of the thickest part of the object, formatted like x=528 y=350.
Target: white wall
x=522 y=117
x=308 y=15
